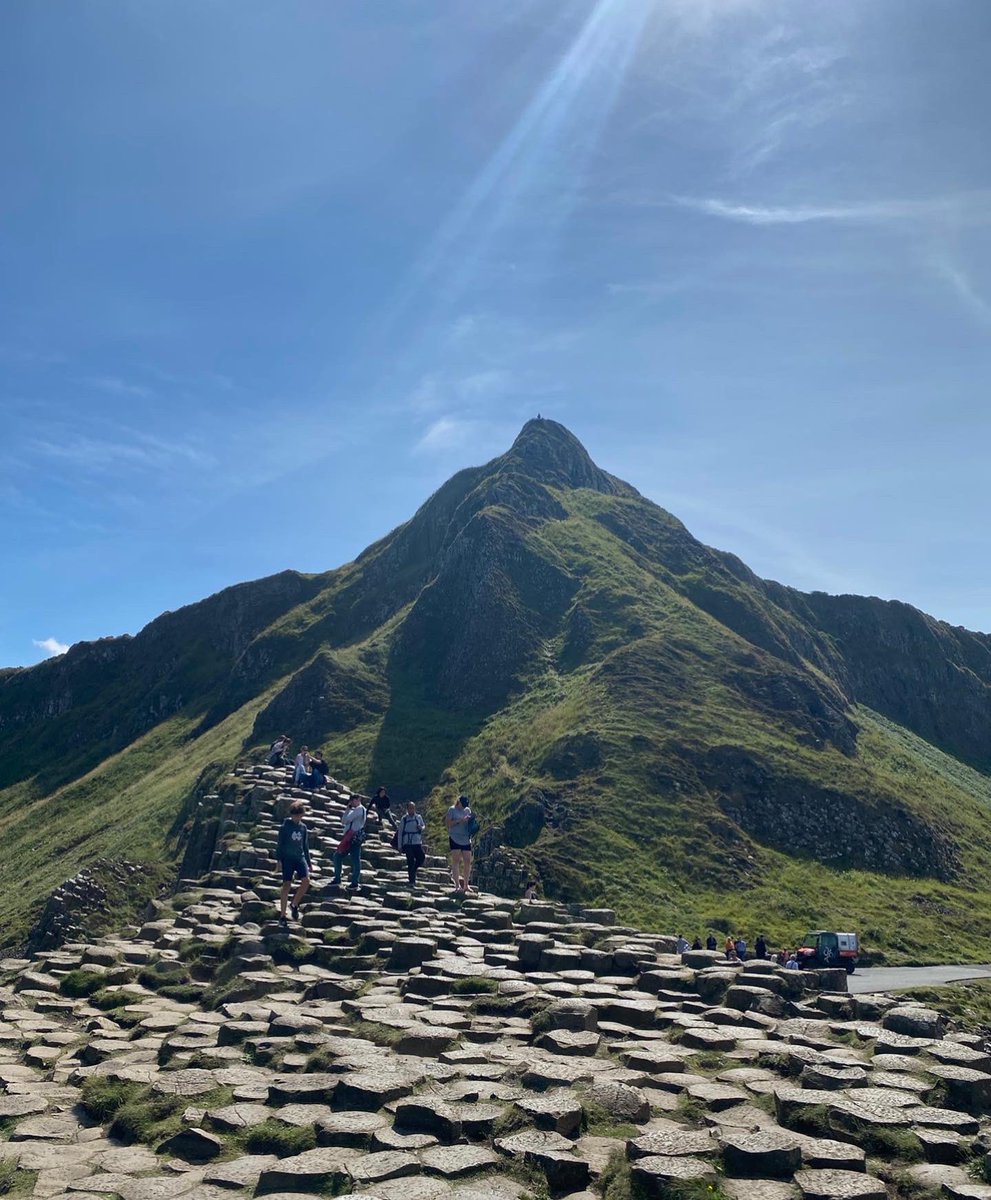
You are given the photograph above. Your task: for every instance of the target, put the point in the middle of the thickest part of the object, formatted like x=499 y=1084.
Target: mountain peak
x=548 y=451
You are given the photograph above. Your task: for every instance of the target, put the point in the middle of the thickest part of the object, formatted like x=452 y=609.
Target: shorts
x=459 y=845
x=294 y=866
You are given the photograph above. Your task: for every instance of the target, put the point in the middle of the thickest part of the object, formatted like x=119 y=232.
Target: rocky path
x=428 y=1047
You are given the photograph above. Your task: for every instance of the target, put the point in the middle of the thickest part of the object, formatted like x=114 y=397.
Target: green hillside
x=640 y=720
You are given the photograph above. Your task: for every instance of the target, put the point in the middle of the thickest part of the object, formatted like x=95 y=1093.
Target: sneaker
x=294 y=909
x=283 y=920
x=354 y=887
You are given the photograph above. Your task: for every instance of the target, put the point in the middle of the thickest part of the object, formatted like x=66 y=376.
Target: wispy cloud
x=51 y=646
x=446 y=433
x=128 y=449
x=963 y=287
x=969 y=207
x=116 y=386
x=446 y=389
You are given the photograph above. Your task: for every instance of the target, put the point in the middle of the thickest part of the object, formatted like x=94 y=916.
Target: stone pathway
x=424 y=1046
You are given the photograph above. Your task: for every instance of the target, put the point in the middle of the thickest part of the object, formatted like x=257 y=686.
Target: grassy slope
x=633 y=838
x=636 y=830
x=124 y=808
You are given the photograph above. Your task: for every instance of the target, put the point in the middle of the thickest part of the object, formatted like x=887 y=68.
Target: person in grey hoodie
x=410 y=835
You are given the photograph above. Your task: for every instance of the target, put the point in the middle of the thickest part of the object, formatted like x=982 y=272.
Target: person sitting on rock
x=353 y=819
x=302 y=766
x=459 y=841
x=319 y=772
x=278 y=751
x=293 y=854
x=410 y=835
x=731 y=955
x=530 y=891
x=383 y=806
x=710 y=942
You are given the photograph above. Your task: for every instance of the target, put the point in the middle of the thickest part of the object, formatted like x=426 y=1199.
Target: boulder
x=192 y=1145
x=913 y=1020
x=839 y=1185
x=620 y=1101
x=763 y=1153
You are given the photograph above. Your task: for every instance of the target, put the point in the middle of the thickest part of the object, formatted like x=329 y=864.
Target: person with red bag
x=350 y=844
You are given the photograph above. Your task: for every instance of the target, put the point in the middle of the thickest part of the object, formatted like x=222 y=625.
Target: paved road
x=886 y=979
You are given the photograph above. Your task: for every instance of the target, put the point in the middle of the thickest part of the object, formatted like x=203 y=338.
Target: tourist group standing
x=310 y=771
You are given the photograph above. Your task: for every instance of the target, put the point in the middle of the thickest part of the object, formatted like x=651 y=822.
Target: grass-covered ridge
x=639 y=719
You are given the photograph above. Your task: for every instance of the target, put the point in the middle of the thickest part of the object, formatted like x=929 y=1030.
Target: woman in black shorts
x=459 y=841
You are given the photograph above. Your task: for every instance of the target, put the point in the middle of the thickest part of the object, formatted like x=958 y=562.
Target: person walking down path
x=302 y=766
x=293 y=854
x=383 y=806
x=278 y=751
x=459 y=819
x=353 y=818
x=410 y=834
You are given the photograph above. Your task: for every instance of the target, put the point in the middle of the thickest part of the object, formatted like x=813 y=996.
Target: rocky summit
x=416 y=1045
x=641 y=722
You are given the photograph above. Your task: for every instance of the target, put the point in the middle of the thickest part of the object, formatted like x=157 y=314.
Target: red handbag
x=344 y=845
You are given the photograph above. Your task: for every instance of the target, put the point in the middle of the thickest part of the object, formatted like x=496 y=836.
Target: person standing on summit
x=293 y=854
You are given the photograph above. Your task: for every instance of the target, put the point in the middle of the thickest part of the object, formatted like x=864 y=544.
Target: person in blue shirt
x=294 y=858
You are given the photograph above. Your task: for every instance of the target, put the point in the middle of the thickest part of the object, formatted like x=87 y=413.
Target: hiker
x=710 y=941
x=728 y=945
x=302 y=766
x=760 y=947
x=681 y=945
x=410 y=835
x=383 y=806
x=740 y=946
x=319 y=772
x=353 y=819
x=293 y=854
x=459 y=818
x=697 y=944
x=278 y=751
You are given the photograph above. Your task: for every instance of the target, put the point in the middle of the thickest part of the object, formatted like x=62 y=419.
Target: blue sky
x=270 y=272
